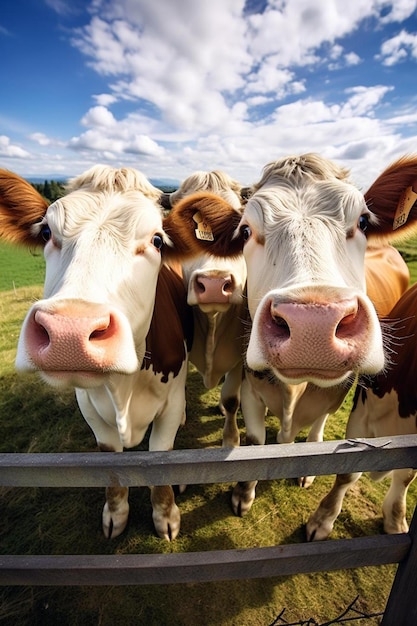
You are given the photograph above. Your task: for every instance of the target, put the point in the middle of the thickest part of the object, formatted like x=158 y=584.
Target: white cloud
x=7 y=149
x=105 y=99
x=363 y=100
x=99 y=116
x=399 y=10
x=398 y=48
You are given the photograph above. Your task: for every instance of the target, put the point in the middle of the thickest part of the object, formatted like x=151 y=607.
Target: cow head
x=104 y=245
x=303 y=234
x=213 y=283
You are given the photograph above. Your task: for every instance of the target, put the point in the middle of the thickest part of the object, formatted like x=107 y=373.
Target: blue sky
x=175 y=86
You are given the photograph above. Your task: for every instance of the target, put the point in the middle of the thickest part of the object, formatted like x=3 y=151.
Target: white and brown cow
x=384 y=406
x=216 y=288
x=113 y=322
x=304 y=233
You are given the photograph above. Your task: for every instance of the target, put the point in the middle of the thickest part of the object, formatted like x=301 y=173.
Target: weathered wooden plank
x=210 y=465
x=402 y=602
x=148 y=569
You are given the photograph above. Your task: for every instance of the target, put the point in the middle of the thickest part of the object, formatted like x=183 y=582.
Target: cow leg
x=115 y=511
x=116 y=508
x=290 y=395
x=321 y=522
x=253 y=409
x=315 y=434
x=230 y=400
x=165 y=513
x=394 y=506
x=292 y=422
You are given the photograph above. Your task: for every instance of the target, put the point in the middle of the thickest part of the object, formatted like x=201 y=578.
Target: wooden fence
x=218 y=465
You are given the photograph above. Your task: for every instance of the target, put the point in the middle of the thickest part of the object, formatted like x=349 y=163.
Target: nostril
x=98 y=334
x=38 y=332
x=347 y=327
x=200 y=287
x=282 y=330
x=104 y=329
x=228 y=288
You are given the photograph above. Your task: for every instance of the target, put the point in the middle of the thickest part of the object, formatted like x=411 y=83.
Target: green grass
x=20 y=267
x=34 y=418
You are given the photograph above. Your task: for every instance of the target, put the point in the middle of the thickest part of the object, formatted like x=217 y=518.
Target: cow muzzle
x=318 y=340
x=213 y=290
x=70 y=336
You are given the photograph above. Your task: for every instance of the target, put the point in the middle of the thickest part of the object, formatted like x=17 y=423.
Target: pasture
x=67 y=521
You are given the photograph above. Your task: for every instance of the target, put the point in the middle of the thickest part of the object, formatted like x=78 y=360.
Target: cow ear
x=393 y=198
x=21 y=206
x=203 y=223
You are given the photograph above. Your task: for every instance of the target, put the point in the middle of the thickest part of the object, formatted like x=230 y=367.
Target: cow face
x=103 y=256
x=215 y=284
x=304 y=245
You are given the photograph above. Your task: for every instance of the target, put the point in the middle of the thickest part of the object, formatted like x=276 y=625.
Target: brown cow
x=216 y=291
x=304 y=234
x=384 y=406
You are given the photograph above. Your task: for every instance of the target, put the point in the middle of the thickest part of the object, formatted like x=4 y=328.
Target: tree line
x=52 y=189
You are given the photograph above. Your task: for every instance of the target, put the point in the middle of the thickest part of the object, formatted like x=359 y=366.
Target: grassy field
x=33 y=418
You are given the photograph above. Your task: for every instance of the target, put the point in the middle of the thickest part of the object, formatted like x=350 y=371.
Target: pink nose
x=300 y=337
x=213 y=289
x=72 y=336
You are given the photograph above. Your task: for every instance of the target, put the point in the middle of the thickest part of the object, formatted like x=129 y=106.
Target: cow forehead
x=208 y=262
x=286 y=203
x=127 y=215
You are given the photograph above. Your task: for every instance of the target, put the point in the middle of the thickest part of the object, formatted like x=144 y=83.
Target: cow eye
x=46 y=232
x=246 y=232
x=157 y=241
x=363 y=222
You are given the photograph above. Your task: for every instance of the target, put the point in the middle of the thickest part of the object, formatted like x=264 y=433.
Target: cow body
x=387 y=276
x=101 y=326
x=304 y=234
x=384 y=406
x=215 y=290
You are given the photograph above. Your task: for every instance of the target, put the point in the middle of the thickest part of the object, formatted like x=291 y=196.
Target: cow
x=216 y=292
x=384 y=405
x=304 y=233
x=113 y=322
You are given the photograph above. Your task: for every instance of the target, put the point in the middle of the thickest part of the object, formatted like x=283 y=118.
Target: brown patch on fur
x=401 y=373
x=387 y=277
x=219 y=214
x=383 y=196
x=21 y=206
x=172 y=322
x=114 y=495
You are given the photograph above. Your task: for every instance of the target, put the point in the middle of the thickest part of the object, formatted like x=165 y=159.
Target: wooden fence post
x=401 y=609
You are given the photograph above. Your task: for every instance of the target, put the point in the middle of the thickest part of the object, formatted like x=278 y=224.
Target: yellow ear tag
x=405 y=203
x=203 y=230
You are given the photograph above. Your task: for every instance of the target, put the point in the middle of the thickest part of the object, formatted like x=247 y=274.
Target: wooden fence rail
x=218 y=465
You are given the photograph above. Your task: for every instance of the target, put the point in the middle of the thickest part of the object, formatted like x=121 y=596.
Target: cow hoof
x=306 y=481
x=317 y=530
x=167 y=524
x=242 y=500
x=114 y=522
